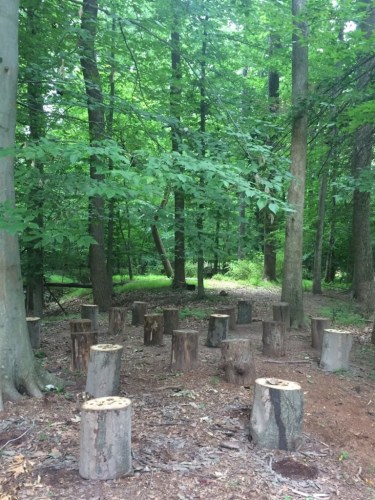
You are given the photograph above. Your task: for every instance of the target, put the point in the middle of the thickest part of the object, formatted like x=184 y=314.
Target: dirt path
x=190 y=431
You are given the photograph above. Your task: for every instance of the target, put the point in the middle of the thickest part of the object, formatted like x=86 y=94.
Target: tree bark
x=218 y=328
x=277 y=414
x=184 y=353
x=244 y=312
x=105 y=438
x=273 y=338
x=117 y=321
x=336 y=347
x=91 y=311
x=17 y=367
x=362 y=155
x=171 y=319
x=103 y=372
x=317 y=268
x=101 y=282
x=318 y=325
x=292 y=272
x=33 y=327
x=153 y=329
x=139 y=309
x=237 y=361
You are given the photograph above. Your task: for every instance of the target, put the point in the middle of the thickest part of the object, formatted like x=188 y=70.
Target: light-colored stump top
x=339 y=332
x=220 y=315
x=277 y=383
x=32 y=318
x=89 y=305
x=153 y=315
x=106 y=403
x=170 y=309
x=318 y=318
x=106 y=347
x=281 y=304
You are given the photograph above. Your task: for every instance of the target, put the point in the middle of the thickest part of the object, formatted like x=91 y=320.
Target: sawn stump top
x=106 y=403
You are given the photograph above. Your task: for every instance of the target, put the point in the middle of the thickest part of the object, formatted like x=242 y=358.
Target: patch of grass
x=196 y=313
x=149 y=282
x=343 y=314
x=307 y=285
x=344 y=455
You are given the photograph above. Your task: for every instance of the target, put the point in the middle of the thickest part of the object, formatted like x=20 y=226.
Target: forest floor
x=190 y=430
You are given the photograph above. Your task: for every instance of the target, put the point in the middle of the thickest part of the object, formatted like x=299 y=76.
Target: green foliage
x=342 y=314
x=196 y=313
x=149 y=282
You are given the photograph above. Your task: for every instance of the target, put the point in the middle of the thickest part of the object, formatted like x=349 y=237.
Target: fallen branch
x=290 y=362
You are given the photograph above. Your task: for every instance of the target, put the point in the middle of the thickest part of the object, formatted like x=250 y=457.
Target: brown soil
x=190 y=431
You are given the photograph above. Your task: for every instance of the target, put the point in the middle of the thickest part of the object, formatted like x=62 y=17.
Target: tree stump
x=153 y=329
x=139 y=309
x=218 y=327
x=318 y=325
x=336 y=346
x=80 y=325
x=103 y=372
x=91 y=311
x=244 y=312
x=277 y=414
x=33 y=327
x=231 y=312
x=171 y=320
x=105 y=438
x=237 y=361
x=281 y=312
x=117 y=321
x=81 y=344
x=184 y=355
x=274 y=338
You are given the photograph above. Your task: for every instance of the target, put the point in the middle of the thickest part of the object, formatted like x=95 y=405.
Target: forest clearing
x=190 y=430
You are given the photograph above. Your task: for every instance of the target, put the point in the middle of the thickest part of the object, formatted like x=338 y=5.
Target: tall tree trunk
x=215 y=267
x=317 y=269
x=330 y=268
x=34 y=251
x=101 y=283
x=363 y=266
x=292 y=272
x=202 y=130
x=17 y=367
x=269 y=247
x=179 y=278
x=159 y=242
x=110 y=118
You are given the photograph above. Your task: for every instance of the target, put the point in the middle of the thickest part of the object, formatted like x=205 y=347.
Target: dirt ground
x=190 y=430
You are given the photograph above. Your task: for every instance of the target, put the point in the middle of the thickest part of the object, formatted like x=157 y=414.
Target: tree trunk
x=330 y=268
x=277 y=414
x=292 y=272
x=317 y=272
x=158 y=241
x=363 y=266
x=101 y=283
x=17 y=367
x=105 y=438
x=179 y=195
x=35 y=100
x=184 y=353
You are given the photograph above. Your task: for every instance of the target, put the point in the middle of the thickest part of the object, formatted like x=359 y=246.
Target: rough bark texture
x=281 y=312
x=103 y=372
x=184 y=354
x=292 y=271
x=80 y=325
x=237 y=361
x=317 y=268
x=363 y=267
x=117 y=321
x=231 y=312
x=218 y=328
x=90 y=311
x=81 y=344
x=244 y=312
x=105 y=438
x=318 y=325
x=139 y=310
x=277 y=414
x=273 y=338
x=153 y=329
x=101 y=283
x=171 y=320
x=336 y=348
x=33 y=327
x=17 y=367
